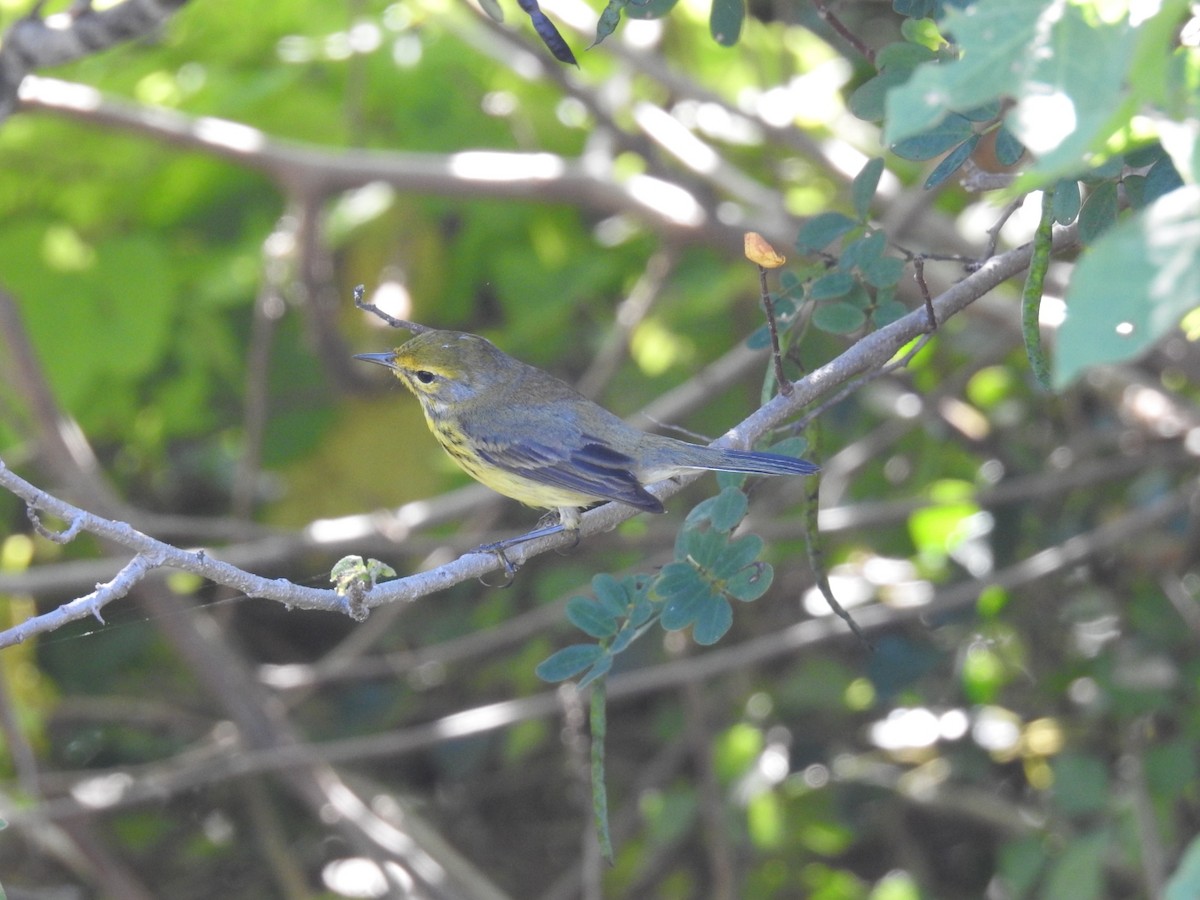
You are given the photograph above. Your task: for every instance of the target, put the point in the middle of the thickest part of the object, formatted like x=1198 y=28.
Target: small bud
x=759 y=251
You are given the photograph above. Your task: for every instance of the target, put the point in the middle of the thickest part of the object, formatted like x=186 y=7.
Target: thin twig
x=781 y=379
x=840 y=27
x=919 y=271
x=993 y=233
x=359 y=291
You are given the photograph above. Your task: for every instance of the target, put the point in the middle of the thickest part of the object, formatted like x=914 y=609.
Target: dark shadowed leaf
x=1066 y=201
x=952 y=163
x=1008 y=149
x=1099 y=212
x=556 y=43
x=952 y=130
x=651 y=9
x=865 y=184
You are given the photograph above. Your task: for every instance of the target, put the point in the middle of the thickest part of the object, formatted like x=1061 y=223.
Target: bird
x=530 y=436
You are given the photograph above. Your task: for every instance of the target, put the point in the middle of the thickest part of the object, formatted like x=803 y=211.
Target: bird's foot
x=550 y=524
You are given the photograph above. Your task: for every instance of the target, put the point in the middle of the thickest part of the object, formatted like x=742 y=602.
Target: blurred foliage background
x=182 y=220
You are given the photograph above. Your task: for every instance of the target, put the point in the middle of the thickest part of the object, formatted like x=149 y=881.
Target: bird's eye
x=425 y=376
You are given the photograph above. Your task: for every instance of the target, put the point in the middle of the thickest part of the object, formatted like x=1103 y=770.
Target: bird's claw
x=510 y=569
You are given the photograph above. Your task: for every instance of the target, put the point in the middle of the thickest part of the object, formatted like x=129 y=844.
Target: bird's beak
x=383 y=359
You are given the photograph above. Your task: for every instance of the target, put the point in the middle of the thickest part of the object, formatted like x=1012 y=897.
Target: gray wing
x=563 y=457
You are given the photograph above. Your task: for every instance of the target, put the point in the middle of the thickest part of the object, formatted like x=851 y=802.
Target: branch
x=155 y=781
x=307 y=170
x=872 y=351
x=36 y=43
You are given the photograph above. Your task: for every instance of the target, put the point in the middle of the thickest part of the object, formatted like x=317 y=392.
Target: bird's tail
x=753 y=462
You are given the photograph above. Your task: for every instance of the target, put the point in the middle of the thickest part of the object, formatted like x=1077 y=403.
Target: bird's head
x=445 y=367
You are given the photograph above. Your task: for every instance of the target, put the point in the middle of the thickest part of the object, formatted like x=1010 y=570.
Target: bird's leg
x=567 y=521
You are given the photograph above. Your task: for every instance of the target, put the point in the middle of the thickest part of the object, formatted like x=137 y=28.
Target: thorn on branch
x=59 y=537
x=930 y=314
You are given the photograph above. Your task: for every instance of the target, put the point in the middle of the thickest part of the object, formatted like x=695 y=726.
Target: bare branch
x=873 y=351
x=36 y=43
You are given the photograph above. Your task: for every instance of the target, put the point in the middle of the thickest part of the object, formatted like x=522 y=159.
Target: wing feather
x=592 y=468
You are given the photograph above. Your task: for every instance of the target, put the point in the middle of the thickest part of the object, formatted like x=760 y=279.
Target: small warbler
x=530 y=436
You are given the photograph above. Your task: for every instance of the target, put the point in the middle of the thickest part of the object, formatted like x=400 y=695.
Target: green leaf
x=1074 y=92
x=866 y=182
x=651 y=9
x=1162 y=178
x=714 y=618
x=1135 y=190
x=839 y=318
x=1099 y=212
x=822 y=230
x=725 y=21
x=1020 y=864
x=683 y=608
x=723 y=511
x=835 y=284
x=949 y=132
x=1185 y=882
x=915 y=9
x=922 y=31
x=995 y=36
x=1133 y=285
x=1078 y=872
x=701 y=548
x=1066 y=68
x=883 y=272
x=675 y=579
x=609 y=19
x=590 y=617
x=888 y=312
x=953 y=161
x=1066 y=201
x=568 y=661
x=903 y=57
x=601 y=668
x=869 y=99
x=863 y=252
x=737 y=555
x=611 y=594
x=751 y=582
x=643 y=610
x=493 y=9
x=984 y=113
x=1145 y=156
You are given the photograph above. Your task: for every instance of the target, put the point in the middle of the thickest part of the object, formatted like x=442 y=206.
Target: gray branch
x=35 y=43
x=871 y=352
